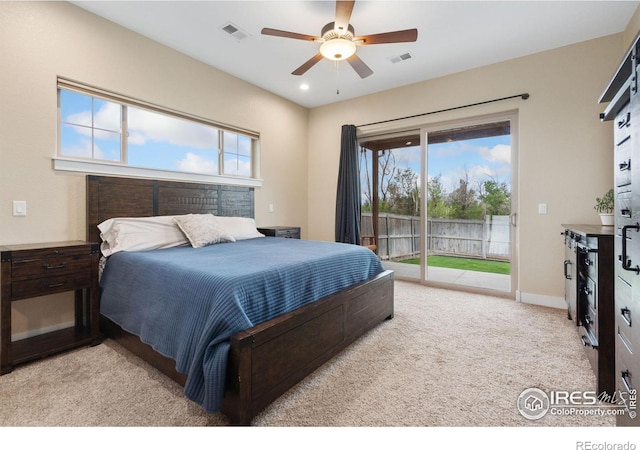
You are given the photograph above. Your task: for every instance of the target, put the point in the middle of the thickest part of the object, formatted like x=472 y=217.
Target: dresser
x=36 y=270
x=623 y=110
x=589 y=292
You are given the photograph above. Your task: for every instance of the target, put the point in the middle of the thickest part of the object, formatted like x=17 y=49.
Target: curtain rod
x=523 y=96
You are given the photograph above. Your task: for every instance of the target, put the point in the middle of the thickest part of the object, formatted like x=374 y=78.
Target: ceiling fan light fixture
x=338 y=49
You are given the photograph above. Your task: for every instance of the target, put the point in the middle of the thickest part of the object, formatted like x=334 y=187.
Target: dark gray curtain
x=348 y=198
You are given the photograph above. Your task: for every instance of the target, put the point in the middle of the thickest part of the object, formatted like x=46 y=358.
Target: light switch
x=542 y=208
x=270 y=207
x=19 y=208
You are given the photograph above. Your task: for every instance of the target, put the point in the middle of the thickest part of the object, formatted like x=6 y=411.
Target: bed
x=264 y=350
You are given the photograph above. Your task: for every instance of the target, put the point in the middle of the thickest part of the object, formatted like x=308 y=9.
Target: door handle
x=512 y=219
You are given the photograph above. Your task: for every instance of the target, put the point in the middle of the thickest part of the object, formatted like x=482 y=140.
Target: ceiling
x=452 y=36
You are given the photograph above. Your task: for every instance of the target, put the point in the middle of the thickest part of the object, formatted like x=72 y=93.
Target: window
x=102 y=128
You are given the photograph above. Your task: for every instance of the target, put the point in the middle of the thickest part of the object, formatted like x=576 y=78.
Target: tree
x=404 y=193
x=464 y=203
x=496 y=198
x=436 y=198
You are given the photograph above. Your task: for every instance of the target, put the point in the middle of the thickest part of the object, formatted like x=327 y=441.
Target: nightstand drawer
x=37 y=270
x=80 y=279
x=49 y=262
x=281 y=231
x=291 y=233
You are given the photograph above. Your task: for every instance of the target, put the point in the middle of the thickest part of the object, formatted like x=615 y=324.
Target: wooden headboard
x=109 y=197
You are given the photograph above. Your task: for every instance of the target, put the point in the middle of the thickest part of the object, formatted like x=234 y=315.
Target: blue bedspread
x=186 y=303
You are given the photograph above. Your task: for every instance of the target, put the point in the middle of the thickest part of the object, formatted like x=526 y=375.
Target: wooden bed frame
x=270 y=358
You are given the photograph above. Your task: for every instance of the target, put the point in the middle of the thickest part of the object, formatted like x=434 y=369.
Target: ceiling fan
x=339 y=42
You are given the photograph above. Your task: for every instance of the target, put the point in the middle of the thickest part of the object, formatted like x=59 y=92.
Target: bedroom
x=53 y=39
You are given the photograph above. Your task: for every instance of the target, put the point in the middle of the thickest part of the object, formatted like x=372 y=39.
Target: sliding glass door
x=391 y=200
x=470 y=204
x=439 y=204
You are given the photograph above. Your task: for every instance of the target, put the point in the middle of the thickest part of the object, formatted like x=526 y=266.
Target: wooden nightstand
x=285 y=232
x=41 y=269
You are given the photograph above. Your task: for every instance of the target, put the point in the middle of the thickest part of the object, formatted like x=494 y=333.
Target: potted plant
x=604 y=206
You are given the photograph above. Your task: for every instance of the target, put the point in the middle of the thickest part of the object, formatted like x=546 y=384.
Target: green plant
x=605 y=203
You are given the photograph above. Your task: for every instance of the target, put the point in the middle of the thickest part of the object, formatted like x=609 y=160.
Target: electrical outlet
x=270 y=207
x=542 y=208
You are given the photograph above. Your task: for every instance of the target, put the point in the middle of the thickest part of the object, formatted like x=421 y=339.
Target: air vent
x=403 y=57
x=234 y=32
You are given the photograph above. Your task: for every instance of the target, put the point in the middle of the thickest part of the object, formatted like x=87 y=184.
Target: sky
x=479 y=159
x=154 y=140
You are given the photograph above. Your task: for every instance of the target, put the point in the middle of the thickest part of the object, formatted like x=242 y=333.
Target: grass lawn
x=454 y=262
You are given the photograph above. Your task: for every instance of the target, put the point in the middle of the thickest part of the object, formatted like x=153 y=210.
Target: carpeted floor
x=446 y=359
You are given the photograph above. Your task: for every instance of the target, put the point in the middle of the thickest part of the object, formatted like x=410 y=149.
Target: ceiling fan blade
x=343 y=15
x=389 y=38
x=308 y=65
x=359 y=66
x=288 y=34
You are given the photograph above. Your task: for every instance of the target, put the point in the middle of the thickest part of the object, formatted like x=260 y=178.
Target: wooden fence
x=399 y=236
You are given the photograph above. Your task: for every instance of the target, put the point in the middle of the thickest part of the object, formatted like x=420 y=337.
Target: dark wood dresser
x=589 y=292
x=280 y=231
x=623 y=110
x=42 y=269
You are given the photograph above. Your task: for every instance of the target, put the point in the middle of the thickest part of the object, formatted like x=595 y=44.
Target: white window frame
x=121 y=168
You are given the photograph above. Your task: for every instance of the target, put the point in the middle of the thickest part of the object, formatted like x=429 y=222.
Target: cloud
x=501 y=153
x=235 y=167
x=197 y=164
x=145 y=126
x=106 y=118
x=82 y=149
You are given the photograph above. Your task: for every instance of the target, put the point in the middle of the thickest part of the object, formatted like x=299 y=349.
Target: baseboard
x=31 y=333
x=541 y=300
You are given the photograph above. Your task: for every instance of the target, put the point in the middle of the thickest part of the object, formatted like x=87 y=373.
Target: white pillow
x=203 y=229
x=139 y=234
x=240 y=227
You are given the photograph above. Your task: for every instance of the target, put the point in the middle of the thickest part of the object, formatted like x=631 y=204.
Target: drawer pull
x=624 y=376
x=626 y=264
x=55 y=285
x=567 y=275
x=588 y=262
x=625 y=165
x=625 y=121
x=625 y=212
x=588 y=320
x=59 y=266
x=626 y=315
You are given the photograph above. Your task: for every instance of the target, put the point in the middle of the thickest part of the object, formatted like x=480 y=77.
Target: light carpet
x=447 y=358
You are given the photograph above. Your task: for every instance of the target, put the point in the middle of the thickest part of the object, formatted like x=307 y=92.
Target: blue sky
x=155 y=140
x=479 y=159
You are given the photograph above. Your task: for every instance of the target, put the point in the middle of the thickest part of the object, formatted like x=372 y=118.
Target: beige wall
x=39 y=41
x=565 y=152
x=565 y=156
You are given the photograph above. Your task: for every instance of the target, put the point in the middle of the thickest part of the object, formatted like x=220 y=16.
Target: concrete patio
x=469 y=278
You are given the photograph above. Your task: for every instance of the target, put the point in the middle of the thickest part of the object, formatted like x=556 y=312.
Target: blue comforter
x=186 y=302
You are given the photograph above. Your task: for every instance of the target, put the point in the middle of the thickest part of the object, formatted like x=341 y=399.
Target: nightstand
x=285 y=232
x=35 y=270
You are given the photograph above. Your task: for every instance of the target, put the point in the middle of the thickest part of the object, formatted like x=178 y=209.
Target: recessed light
x=304 y=87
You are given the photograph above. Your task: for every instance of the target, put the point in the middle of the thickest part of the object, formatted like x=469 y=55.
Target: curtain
x=348 y=196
